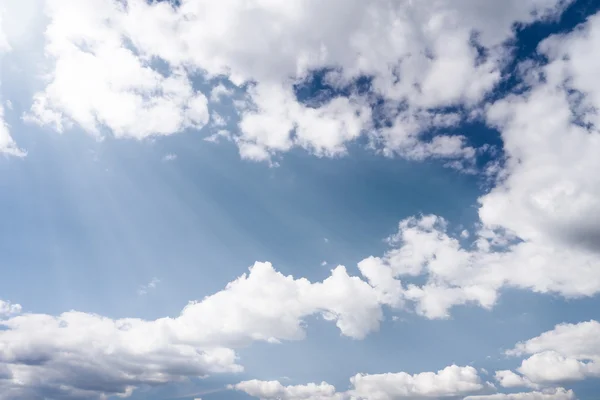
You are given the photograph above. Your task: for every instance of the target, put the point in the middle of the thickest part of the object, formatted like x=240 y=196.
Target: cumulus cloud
x=509 y=379
x=569 y=352
x=420 y=59
x=98 y=81
x=551 y=138
x=542 y=213
x=457 y=275
x=274 y=390
x=80 y=355
x=449 y=382
x=7 y=308
x=552 y=394
x=539 y=223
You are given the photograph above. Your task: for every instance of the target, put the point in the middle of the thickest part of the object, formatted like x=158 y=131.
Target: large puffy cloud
x=569 y=352
x=551 y=135
x=420 y=58
x=79 y=355
x=539 y=227
x=457 y=274
x=98 y=81
x=449 y=382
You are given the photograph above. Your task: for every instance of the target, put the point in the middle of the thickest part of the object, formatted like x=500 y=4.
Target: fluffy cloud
x=569 y=352
x=80 y=355
x=7 y=308
x=542 y=214
x=551 y=137
x=450 y=382
x=274 y=390
x=7 y=143
x=456 y=274
x=552 y=394
x=98 y=80
x=419 y=59
x=509 y=379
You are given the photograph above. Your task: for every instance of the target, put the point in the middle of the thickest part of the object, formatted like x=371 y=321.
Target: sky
x=299 y=200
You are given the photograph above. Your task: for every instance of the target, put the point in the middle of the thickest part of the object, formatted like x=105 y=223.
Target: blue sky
x=443 y=152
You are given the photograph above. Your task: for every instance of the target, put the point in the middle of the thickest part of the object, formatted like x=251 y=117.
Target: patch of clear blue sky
x=84 y=223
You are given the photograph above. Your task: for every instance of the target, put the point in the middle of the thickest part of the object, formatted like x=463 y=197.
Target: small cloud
x=144 y=289
x=9 y=104
x=169 y=157
x=221 y=134
x=218 y=92
x=464 y=234
x=326 y=240
x=7 y=308
x=217 y=119
x=324 y=263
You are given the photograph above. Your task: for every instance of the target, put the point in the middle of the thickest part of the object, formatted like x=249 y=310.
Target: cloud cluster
x=449 y=382
x=539 y=227
x=569 y=352
x=81 y=355
x=98 y=80
x=551 y=394
x=128 y=68
x=421 y=60
x=7 y=308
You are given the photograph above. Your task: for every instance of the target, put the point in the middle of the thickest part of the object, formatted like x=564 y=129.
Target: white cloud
x=457 y=275
x=98 y=81
x=7 y=143
x=539 y=224
x=217 y=120
x=169 y=157
x=4 y=45
x=569 y=352
x=551 y=394
x=509 y=379
x=7 y=308
x=80 y=355
x=274 y=390
x=218 y=92
x=449 y=382
x=549 y=194
x=421 y=58
x=144 y=289
x=217 y=136
x=279 y=121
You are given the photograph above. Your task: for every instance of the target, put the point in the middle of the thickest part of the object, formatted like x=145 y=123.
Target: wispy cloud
x=169 y=157
x=144 y=289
